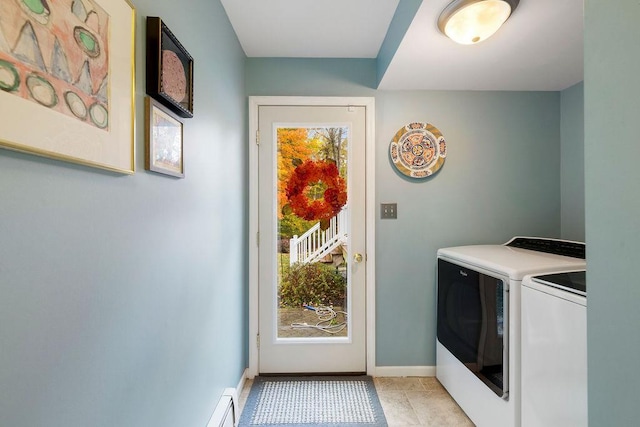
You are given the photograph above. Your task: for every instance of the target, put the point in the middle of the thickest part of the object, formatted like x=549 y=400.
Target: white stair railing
x=315 y=243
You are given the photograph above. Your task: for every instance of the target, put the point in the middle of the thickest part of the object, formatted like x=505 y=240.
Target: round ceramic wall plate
x=418 y=150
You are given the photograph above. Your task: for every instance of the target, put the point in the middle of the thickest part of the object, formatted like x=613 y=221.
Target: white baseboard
x=243 y=379
x=404 y=371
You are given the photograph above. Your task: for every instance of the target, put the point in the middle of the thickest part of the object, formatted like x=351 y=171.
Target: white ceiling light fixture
x=472 y=21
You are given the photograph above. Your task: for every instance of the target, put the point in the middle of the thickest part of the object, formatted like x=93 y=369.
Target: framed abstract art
x=67 y=80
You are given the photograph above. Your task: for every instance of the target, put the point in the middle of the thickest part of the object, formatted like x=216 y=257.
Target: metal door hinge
x=258 y=238
x=258 y=341
x=257 y=137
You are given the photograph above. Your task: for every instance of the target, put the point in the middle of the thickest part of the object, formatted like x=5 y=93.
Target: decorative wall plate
x=418 y=150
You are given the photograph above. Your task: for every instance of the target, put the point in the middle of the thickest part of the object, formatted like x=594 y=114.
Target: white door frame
x=369 y=104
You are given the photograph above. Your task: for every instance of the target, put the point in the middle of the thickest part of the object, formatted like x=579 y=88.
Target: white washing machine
x=478 y=339
x=554 y=350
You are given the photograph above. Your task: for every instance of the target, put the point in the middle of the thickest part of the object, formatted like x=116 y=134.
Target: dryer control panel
x=550 y=246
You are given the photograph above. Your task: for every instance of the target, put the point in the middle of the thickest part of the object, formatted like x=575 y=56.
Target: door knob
x=357 y=258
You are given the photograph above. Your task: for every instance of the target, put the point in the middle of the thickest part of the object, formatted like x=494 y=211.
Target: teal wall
x=310 y=77
x=501 y=178
x=572 y=162
x=123 y=298
x=612 y=197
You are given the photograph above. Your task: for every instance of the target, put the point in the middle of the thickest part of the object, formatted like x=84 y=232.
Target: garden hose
x=326 y=317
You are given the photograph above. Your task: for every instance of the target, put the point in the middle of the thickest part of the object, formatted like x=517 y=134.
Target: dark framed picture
x=163 y=140
x=169 y=69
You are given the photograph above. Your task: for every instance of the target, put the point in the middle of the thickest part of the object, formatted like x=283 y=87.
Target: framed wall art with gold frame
x=67 y=79
x=163 y=140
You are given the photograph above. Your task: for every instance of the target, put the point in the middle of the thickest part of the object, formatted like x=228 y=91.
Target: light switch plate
x=388 y=210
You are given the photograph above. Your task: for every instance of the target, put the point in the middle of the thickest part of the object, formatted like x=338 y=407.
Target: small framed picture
x=169 y=69
x=164 y=140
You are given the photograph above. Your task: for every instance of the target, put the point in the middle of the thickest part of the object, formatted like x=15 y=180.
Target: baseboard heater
x=227 y=412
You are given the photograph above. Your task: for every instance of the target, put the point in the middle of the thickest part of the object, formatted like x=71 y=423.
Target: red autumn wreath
x=311 y=172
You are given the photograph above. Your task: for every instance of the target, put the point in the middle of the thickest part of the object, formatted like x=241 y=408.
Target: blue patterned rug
x=329 y=401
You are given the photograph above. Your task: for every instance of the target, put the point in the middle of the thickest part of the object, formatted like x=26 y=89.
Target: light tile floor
x=410 y=401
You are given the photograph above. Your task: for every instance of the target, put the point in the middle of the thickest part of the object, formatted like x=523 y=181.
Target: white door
x=311 y=186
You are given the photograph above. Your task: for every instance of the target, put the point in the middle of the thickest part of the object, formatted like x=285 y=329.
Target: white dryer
x=478 y=331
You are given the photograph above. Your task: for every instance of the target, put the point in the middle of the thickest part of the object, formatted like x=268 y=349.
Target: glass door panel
x=312 y=269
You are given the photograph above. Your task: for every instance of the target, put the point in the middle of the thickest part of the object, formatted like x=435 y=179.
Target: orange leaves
x=293 y=147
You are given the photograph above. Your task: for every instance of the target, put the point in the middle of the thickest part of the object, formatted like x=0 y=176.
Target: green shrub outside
x=315 y=284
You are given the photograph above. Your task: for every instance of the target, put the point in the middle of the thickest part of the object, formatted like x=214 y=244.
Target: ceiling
x=540 y=48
